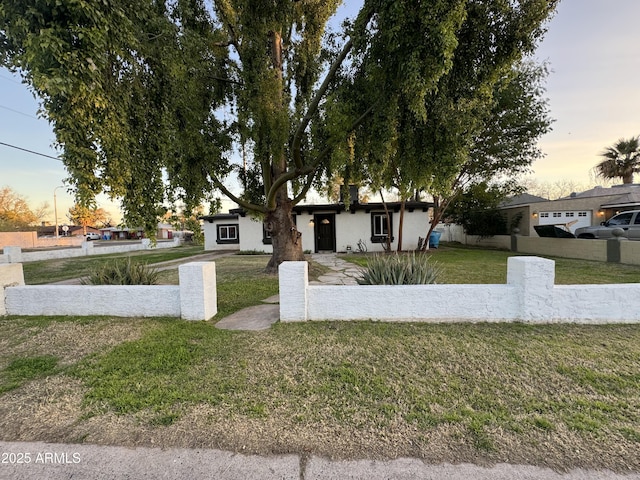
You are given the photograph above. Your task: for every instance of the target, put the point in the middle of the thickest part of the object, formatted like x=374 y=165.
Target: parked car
x=628 y=221
x=93 y=236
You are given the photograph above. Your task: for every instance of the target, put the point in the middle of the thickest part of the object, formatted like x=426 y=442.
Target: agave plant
x=400 y=269
x=123 y=272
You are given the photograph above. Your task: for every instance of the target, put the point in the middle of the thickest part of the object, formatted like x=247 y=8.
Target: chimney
x=353 y=194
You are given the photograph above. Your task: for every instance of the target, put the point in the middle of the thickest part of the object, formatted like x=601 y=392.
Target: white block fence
x=528 y=296
x=194 y=299
x=12 y=254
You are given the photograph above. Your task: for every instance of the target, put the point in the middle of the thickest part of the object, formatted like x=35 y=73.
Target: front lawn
x=557 y=395
x=49 y=271
x=461 y=264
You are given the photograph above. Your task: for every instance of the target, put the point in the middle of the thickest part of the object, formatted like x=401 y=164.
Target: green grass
x=24 y=369
x=460 y=264
x=478 y=379
x=48 y=271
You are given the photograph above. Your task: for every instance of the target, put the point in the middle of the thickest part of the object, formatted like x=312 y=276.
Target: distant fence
x=16 y=255
x=195 y=298
x=528 y=296
x=613 y=250
x=32 y=240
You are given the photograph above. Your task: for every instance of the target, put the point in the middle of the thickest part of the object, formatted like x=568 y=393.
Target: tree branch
x=305 y=189
x=238 y=200
x=313 y=106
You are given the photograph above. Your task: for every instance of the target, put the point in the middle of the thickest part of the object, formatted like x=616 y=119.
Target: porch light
x=535 y=215
x=325 y=221
x=311 y=223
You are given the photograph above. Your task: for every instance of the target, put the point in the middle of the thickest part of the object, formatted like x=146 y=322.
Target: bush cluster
x=123 y=272
x=399 y=269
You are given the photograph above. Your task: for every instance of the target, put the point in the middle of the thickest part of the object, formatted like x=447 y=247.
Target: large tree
x=88 y=217
x=154 y=101
x=15 y=212
x=621 y=160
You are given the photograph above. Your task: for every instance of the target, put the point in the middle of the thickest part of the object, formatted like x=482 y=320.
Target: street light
x=55 y=209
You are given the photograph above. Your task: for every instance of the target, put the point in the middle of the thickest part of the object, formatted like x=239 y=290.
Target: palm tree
x=621 y=160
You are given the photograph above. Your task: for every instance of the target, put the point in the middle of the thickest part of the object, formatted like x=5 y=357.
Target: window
x=557 y=214
x=228 y=234
x=582 y=214
x=569 y=214
x=380 y=227
x=544 y=215
x=621 y=219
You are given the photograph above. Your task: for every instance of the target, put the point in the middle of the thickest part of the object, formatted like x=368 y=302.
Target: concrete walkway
x=261 y=317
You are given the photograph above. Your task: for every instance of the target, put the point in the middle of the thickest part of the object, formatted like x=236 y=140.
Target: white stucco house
x=332 y=227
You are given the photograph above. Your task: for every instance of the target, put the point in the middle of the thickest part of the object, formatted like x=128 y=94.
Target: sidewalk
x=37 y=461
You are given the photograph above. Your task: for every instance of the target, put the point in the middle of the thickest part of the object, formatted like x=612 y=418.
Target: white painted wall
x=16 y=255
x=194 y=299
x=349 y=227
x=529 y=296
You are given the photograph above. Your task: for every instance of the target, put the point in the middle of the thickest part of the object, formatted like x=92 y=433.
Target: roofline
x=618 y=205
x=219 y=216
x=331 y=207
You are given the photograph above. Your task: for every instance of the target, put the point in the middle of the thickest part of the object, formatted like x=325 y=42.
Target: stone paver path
x=343 y=272
x=261 y=317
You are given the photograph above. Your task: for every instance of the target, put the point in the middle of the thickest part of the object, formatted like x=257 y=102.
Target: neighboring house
x=325 y=228
x=164 y=232
x=71 y=231
x=519 y=210
x=582 y=209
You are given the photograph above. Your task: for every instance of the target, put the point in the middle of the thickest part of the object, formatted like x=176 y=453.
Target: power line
x=30 y=151
x=10 y=79
x=19 y=112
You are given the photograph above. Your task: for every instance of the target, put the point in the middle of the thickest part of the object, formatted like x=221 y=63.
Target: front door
x=325 y=232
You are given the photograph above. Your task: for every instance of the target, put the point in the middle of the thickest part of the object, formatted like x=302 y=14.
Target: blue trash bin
x=434 y=239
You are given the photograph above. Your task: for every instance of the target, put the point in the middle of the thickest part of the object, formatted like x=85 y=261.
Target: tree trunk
x=401 y=224
x=285 y=237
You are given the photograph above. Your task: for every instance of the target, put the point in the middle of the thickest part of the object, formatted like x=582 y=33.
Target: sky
x=593 y=89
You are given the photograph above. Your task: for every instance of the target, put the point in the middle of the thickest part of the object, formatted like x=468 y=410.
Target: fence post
x=533 y=278
x=514 y=239
x=11 y=274
x=14 y=254
x=613 y=245
x=87 y=248
x=293 y=279
x=198 y=295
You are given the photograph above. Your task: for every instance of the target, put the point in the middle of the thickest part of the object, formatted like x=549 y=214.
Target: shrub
x=123 y=272
x=399 y=269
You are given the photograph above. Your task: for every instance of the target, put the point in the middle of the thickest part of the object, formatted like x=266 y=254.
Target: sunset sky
x=593 y=90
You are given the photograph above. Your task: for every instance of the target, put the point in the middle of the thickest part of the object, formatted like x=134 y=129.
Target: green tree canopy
x=154 y=101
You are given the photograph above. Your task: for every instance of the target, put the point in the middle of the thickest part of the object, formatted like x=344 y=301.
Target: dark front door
x=325 y=231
